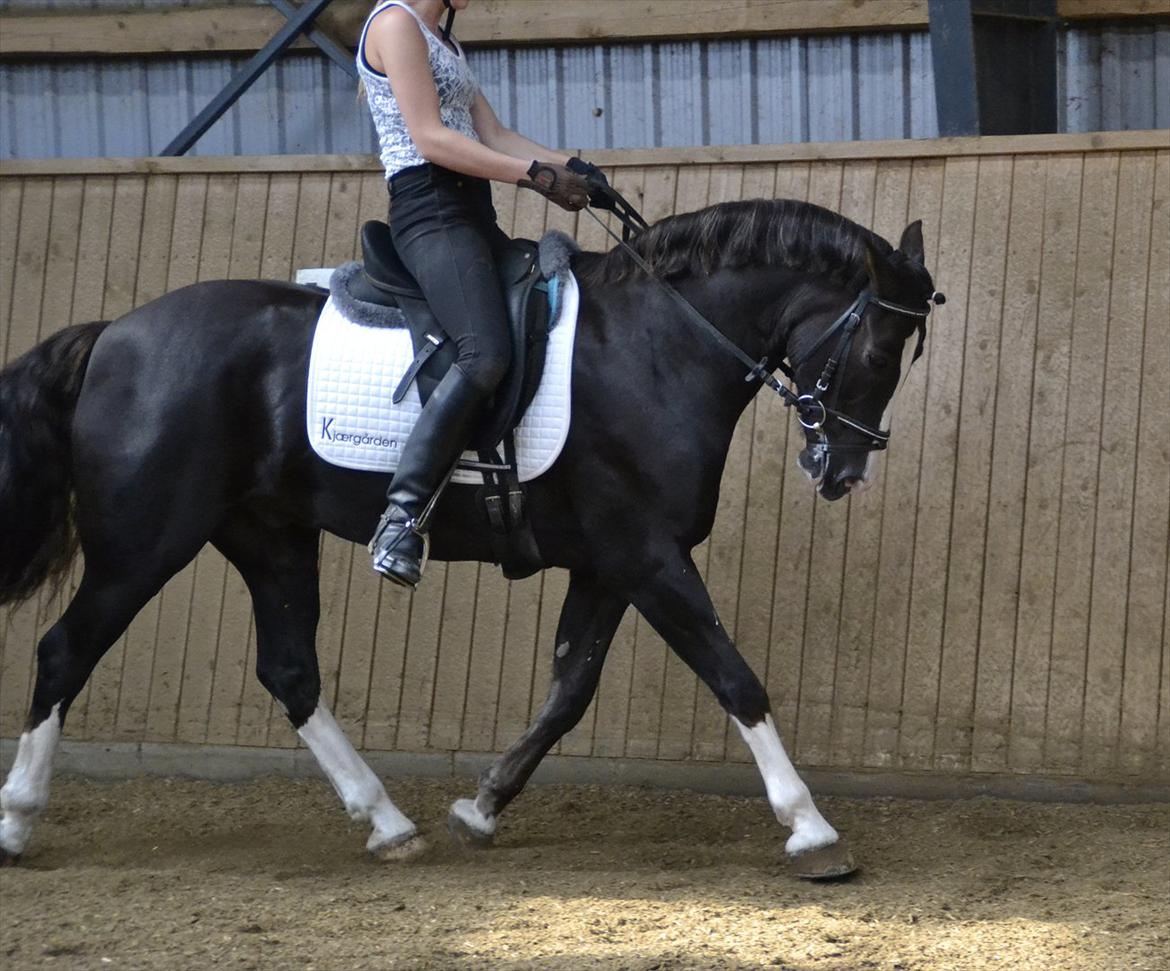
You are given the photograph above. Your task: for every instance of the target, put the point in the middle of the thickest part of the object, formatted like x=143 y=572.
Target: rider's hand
x=593 y=175
x=587 y=169
x=566 y=188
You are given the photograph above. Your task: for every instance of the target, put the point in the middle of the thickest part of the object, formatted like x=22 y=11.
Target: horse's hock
x=992 y=615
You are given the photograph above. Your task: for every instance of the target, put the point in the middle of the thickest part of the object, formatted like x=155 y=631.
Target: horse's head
x=850 y=363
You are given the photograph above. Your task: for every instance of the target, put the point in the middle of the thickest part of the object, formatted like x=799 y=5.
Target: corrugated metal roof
x=638 y=95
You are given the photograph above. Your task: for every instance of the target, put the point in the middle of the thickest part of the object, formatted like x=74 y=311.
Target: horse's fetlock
x=488 y=808
x=364 y=804
x=16 y=797
x=810 y=830
x=15 y=830
x=359 y=812
x=472 y=813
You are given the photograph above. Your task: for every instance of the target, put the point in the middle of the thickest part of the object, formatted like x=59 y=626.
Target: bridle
x=812 y=411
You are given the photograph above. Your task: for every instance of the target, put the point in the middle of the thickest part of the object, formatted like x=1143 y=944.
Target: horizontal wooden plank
x=230 y=29
x=222 y=29
x=1109 y=9
x=1154 y=139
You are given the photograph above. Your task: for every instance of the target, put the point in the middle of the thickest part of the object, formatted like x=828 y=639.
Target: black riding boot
x=440 y=435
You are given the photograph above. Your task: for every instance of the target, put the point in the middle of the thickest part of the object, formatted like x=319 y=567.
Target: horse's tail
x=38 y=394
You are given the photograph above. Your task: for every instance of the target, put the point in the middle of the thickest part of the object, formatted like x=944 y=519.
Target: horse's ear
x=911 y=243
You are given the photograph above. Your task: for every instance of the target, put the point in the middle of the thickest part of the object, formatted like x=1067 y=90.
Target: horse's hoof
x=400 y=849
x=466 y=836
x=7 y=858
x=832 y=862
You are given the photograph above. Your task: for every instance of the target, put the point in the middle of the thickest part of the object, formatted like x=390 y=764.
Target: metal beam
x=994 y=66
x=295 y=26
x=343 y=58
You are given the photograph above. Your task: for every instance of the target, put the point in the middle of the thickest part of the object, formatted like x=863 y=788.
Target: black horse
x=182 y=423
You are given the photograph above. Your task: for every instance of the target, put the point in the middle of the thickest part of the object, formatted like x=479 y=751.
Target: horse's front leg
x=674 y=599
x=589 y=618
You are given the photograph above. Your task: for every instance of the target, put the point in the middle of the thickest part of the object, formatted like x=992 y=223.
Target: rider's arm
x=493 y=134
x=395 y=46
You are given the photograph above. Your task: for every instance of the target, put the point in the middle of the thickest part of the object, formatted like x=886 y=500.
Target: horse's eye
x=877 y=360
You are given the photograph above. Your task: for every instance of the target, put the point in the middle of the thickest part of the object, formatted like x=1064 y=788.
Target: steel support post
x=335 y=51
x=296 y=25
x=994 y=66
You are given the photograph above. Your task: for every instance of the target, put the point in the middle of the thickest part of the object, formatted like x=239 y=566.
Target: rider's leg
x=445 y=237
x=435 y=444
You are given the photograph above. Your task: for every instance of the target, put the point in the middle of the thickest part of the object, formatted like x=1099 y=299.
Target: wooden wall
x=998 y=603
x=112 y=29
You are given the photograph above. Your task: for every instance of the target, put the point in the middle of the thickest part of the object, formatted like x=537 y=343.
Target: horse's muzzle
x=813 y=460
x=834 y=488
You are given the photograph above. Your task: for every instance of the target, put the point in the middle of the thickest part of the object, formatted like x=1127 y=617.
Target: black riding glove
x=564 y=187
x=593 y=175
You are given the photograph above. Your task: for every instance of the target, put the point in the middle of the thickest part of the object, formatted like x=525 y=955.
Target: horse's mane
x=756 y=232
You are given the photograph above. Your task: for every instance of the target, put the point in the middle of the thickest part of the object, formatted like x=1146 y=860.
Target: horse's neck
x=746 y=306
x=702 y=376
x=736 y=304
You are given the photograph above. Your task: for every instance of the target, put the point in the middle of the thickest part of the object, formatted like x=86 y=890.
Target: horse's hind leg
x=589 y=618
x=675 y=601
x=100 y=611
x=279 y=566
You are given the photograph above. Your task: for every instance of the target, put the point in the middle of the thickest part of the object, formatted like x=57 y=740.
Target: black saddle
x=388 y=282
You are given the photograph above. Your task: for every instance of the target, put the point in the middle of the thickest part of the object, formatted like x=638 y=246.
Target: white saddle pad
x=354 y=370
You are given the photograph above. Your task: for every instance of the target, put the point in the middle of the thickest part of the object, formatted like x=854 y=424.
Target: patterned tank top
x=453 y=80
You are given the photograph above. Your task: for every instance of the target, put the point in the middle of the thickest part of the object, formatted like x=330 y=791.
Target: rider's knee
x=486 y=368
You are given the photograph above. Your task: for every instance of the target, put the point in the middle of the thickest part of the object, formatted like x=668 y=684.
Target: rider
x=440 y=144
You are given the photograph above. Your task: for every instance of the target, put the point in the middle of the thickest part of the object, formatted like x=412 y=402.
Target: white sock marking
x=26 y=792
x=471 y=815
x=363 y=795
x=791 y=801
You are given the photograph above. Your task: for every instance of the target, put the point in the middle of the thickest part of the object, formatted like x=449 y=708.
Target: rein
x=811 y=410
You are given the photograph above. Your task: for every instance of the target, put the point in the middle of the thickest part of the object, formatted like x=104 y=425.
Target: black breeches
x=444 y=227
